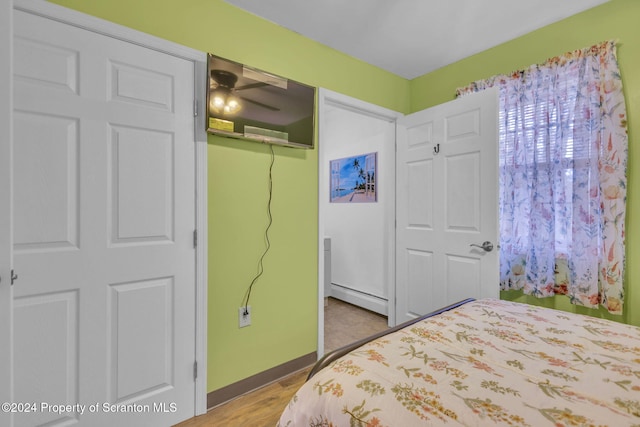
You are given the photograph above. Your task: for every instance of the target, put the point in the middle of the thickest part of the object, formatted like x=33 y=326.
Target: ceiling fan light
x=218 y=101
x=221 y=101
x=233 y=106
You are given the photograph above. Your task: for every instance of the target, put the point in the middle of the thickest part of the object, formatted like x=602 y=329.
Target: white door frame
x=6 y=243
x=109 y=29
x=326 y=98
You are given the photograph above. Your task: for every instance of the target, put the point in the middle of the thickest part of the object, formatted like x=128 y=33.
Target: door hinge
x=195 y=238
x=195 y=370
x=14 y=277
x=195 y=108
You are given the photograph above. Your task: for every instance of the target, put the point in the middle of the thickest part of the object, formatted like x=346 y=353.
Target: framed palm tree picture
x=354 y=179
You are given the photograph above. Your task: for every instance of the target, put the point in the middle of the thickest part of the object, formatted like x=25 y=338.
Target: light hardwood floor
x=262 y=408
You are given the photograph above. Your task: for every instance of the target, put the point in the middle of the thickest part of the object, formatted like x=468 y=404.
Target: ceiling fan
x=222 y=98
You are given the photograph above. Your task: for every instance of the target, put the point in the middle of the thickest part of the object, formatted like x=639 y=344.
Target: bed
x=477 y=363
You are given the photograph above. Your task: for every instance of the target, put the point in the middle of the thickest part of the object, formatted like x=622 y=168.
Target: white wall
x=362 y=238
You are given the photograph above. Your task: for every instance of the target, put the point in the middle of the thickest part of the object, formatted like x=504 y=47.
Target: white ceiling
x=413 y=37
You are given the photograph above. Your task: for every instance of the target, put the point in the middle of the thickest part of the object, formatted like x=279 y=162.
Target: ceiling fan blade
x=260 y=104
x=251 y=86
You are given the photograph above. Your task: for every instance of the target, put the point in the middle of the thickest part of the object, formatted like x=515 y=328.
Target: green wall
x=617 y=19
x=284 y=300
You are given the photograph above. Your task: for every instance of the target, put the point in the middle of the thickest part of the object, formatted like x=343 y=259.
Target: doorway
x=456 y=126
x=361 y=234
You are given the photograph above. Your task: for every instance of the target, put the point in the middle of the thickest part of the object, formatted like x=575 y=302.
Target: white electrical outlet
x=244 y=316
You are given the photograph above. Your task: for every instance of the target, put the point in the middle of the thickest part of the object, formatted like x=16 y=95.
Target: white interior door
x=446 y=201
x=104 y=208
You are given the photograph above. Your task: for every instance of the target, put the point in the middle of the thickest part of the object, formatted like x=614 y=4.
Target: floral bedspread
x=488 y=362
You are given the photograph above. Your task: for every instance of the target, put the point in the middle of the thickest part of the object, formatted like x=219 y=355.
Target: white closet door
x=104 y=206
x=446 y=200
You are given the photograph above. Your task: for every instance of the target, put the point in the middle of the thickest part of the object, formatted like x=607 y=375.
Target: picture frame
x=354 y=179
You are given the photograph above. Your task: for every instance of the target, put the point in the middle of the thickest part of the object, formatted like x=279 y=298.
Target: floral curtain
x=563 y=161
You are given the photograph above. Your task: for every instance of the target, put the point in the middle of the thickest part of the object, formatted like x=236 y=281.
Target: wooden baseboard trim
x=227 y=393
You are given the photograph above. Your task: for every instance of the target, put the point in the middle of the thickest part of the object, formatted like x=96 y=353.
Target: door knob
x=487 y=246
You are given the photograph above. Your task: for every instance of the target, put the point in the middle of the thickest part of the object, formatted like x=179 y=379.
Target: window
x=563 y=156
x=554 y=154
